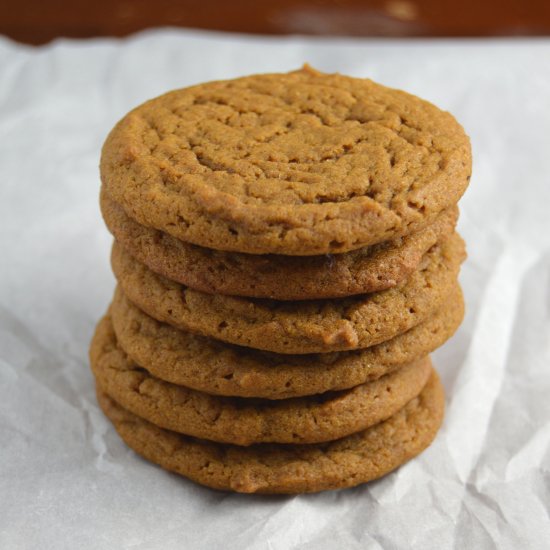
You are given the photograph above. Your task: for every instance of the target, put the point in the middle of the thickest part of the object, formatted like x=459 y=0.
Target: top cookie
x=302 y=163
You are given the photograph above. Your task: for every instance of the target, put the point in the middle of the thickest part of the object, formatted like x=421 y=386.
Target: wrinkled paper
x=67 y=481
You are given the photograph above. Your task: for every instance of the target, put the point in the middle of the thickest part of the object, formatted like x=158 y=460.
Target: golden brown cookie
x=303 y=163
x=315 y=326
x=242 y=421
x=272 y=468
x=369 y=269
x=214 y=367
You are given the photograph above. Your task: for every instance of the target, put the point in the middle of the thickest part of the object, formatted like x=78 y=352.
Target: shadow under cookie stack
x=286 y=258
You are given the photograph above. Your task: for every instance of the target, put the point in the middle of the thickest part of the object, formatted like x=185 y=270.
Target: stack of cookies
x=286 y=258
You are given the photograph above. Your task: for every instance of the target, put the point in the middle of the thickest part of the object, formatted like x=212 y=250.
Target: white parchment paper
x=68 y=482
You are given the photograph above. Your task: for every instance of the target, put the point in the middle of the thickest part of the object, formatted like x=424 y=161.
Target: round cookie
x=241 y=421
x=303 y=163
x=369 y=269
x=214 y=367
x=315 y=326
x=288 y=469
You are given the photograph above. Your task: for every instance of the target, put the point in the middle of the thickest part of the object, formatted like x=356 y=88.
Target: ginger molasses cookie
x=273 y=468
x=218 y=368
x=243 y=421
x=368 y=269
x=303 y=163
x=314 y=326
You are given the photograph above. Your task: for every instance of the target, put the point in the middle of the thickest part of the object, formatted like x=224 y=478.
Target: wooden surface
x=37 y=22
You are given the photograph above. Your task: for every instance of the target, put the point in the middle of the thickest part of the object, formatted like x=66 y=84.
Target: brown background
x=37 y=22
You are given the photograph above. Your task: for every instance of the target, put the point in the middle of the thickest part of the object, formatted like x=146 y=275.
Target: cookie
x=303 y=163
x=242 y=421
x=369 y=269
x=315 y=326
x=217 y=368
x=288 y=469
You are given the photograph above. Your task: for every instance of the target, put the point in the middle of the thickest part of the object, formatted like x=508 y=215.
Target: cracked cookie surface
x=218 y=368
x=369 y=269
x=302 y=163
x=313 y=326
x=241 y=421
x=288 y=469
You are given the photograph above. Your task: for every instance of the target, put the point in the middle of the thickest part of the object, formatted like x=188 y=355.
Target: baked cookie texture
x=287 y=469
x=211 y=366
x=286 y=258
x=303 y=163
x=313 y=326
x=368 y=269
x=240 y=421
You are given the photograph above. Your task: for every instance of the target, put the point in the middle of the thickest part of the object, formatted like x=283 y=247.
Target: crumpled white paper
x=67 y=481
